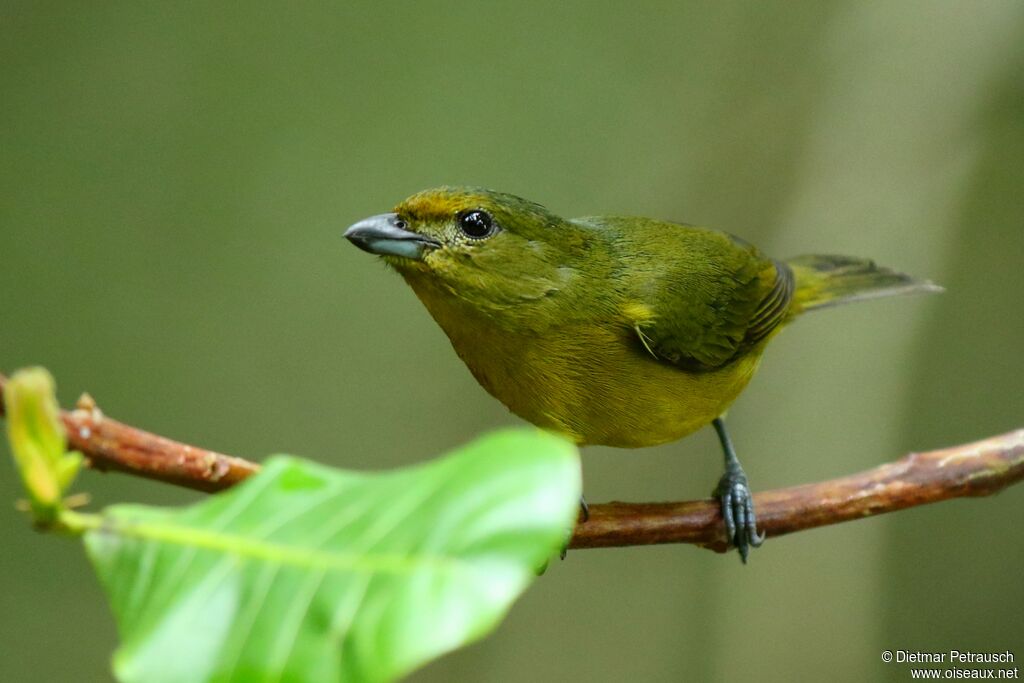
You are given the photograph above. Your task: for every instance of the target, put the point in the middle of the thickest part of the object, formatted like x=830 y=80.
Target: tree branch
x=975 y=469
x=111 y=445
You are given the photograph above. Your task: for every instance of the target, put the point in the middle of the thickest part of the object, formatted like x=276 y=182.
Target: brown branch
x=975 y=469
x=111 y=445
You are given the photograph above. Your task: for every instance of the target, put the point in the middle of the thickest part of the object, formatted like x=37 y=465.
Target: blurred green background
x=175 y=179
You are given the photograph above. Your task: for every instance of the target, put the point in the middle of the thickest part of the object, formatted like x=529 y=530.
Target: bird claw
x=738 y=511
x=584 y=515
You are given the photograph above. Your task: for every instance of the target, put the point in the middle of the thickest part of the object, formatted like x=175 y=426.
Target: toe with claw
x=738 y=512
x=734 y=495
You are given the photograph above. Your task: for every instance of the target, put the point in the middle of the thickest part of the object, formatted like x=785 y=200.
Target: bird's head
x=488 y=248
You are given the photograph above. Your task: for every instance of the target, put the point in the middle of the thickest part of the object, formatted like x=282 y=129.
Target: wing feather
x=724 y=300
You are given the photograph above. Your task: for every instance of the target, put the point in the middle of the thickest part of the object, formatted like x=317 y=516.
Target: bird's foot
x=738 y=511
x=584 y=516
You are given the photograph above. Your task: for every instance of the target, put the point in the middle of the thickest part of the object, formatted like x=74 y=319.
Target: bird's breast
x=591 y=380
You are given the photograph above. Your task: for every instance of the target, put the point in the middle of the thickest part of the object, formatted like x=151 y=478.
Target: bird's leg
x=734 y=494
x=585 y=515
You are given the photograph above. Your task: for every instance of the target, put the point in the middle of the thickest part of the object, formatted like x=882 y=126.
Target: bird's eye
x=476 y=224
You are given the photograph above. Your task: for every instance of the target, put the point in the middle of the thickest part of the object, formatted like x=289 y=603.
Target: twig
x=975 y=469
x=111 y=445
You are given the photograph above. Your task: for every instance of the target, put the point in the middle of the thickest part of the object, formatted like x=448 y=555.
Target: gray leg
x=585 y=509
x=734 y=494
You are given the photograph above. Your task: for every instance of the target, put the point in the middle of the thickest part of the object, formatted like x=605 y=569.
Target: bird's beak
x=382 y=235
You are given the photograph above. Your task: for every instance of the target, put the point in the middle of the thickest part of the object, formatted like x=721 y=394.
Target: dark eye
x=476 y=224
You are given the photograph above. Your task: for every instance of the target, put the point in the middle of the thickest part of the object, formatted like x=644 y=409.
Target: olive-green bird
x=612 y=330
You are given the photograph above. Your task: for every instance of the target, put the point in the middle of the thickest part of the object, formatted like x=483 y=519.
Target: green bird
x=613 y=330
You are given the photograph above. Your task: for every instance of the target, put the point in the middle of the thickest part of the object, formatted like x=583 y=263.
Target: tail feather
x=825 y=280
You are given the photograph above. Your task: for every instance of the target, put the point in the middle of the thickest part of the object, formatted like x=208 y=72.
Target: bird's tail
x=826 y=280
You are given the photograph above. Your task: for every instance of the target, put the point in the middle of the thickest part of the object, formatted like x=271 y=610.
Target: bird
x=621 y=331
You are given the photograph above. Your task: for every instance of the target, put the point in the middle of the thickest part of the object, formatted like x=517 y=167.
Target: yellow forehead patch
x=441 y=203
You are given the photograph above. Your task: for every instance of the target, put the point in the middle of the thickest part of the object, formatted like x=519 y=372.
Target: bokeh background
x=175 y=178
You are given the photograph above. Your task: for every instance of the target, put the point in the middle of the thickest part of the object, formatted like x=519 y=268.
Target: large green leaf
x=306 y=573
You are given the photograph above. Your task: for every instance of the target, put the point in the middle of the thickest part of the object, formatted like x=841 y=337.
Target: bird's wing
x=710 y=305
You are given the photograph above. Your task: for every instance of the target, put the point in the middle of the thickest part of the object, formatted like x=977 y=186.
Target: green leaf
x=38 y=441
x=306 y=573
